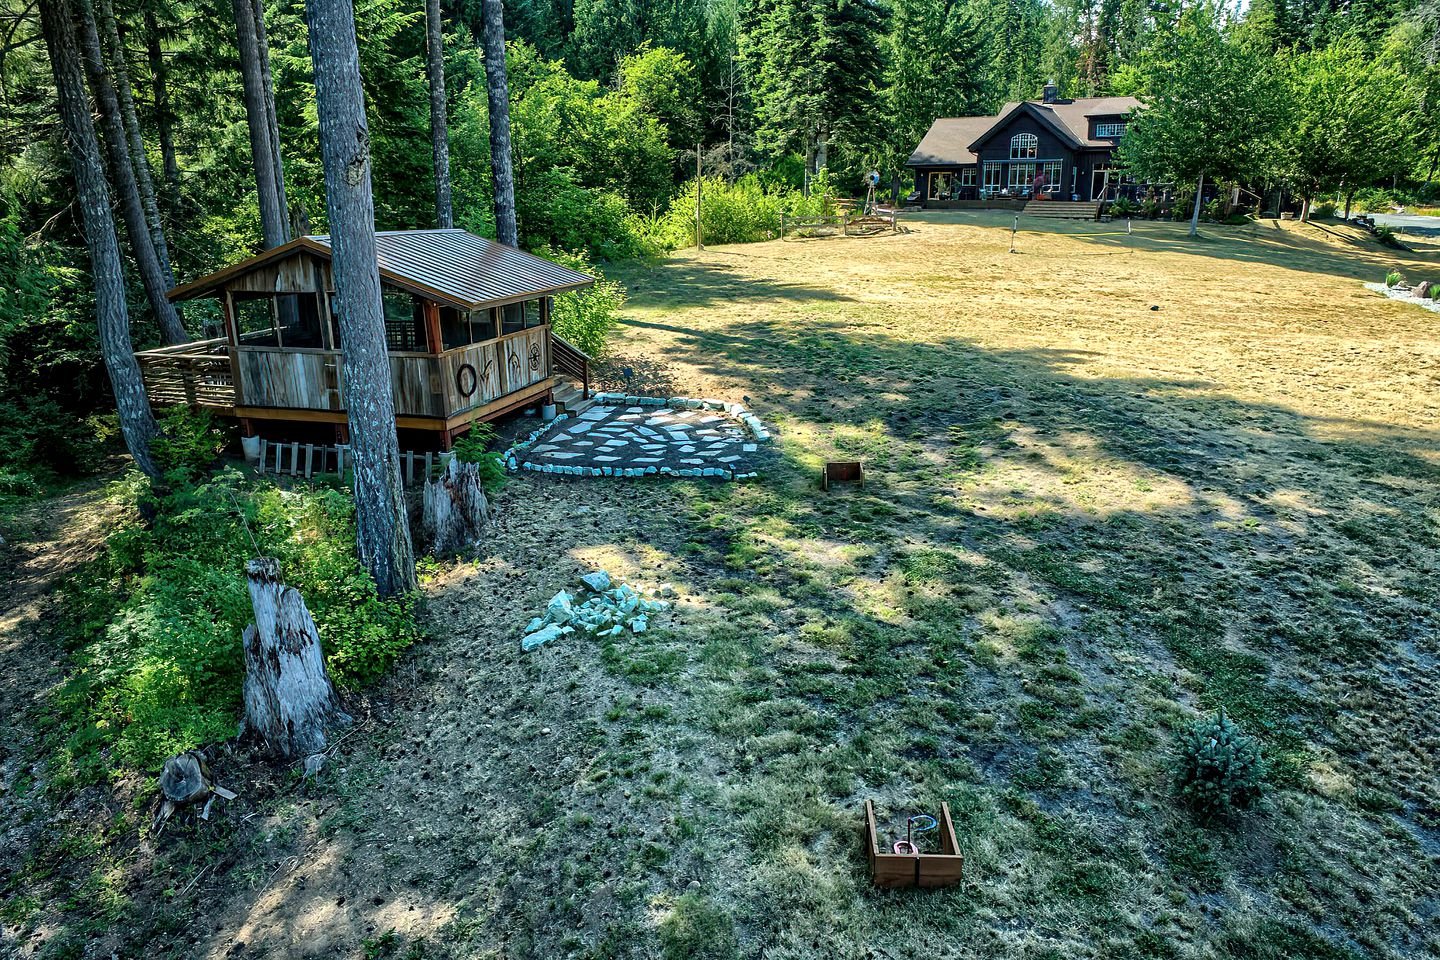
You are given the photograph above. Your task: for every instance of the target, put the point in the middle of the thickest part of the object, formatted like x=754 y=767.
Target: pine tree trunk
x=455 y=509
x=274 y=230
x=1195 y=214
x=439 y=129
x=497 y=90
x=137 y=424
x=115 y=50
x=289 y=699
x=160 y=95
x=272 y=118
x=382 y=527
x=122 y=170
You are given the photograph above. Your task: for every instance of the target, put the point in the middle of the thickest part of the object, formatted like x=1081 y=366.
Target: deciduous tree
x=1213 y=109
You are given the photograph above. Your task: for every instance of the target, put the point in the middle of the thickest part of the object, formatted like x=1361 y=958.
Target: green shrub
x=189 y=445
x=1218 y=769
x=585 y=318
x=1323 y=210
x=17 y=483
x=474 y=447
x=1387 y=238
x=1394 y=278
x=1124 y=207
x=155 y=623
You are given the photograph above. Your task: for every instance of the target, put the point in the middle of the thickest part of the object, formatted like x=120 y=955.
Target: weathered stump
x=454 y=509
x=289 y=699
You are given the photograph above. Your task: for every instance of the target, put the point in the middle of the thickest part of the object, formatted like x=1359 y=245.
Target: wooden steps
x=1063 y=209
x=570 y=399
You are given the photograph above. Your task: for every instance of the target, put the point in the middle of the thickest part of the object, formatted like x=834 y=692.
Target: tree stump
x=289 y=699
x=455 y=509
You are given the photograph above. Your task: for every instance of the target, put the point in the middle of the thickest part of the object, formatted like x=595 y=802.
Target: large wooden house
x=1051 y=148
x=467 y=324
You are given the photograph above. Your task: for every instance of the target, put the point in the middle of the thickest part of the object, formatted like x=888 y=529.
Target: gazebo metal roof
x=452 y=266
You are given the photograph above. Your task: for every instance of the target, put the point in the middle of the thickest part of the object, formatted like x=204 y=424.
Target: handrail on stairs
x=572 y=360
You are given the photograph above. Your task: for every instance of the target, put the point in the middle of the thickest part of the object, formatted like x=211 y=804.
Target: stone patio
x=638 y=440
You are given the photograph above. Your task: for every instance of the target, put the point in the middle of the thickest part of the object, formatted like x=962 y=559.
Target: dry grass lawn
x=1114 y=481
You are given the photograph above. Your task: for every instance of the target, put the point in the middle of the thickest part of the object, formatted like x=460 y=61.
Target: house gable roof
x=952 y=141
x=1039 y=111
x=451 y=266
x=948 y=141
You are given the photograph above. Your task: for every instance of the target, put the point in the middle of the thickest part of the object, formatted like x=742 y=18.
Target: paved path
x=1408 y=222
x=647 y=440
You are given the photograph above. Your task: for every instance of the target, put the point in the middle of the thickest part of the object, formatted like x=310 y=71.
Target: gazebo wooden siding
x=434 y=388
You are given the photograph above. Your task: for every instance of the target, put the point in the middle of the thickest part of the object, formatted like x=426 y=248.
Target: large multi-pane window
x=994 y=176
x=967 y=177
x=1024 y=146
x=941 y=186
x=1053 y=171
x=1109 y=130
x=1022 y=175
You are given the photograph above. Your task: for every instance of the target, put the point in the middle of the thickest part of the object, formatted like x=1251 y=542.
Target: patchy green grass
x=1084 y=523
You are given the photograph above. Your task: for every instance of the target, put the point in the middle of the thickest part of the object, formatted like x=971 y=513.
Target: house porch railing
x=198 y=374
x=571 y=361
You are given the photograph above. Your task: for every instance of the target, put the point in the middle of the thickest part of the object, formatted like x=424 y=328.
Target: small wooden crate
x=842 y=471
x=894 y=870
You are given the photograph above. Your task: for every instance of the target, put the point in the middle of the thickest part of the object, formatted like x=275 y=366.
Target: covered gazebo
x=467 y=326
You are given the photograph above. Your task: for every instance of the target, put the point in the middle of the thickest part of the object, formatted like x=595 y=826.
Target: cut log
x=289 y=699
x=185 y=778
x=455 y=509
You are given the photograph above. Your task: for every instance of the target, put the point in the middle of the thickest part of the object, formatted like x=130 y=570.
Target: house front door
x=1100 y=183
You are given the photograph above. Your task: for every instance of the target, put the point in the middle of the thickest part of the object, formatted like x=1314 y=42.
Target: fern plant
x=1393 y=278
x=1218 y=768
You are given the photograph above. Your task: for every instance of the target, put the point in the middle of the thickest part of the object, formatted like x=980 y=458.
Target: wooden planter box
x=895 y=870
x=842 y=471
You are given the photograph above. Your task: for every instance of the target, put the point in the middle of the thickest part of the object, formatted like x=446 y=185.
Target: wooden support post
x=432 y=326
x=295 y=458
x=699 y=239
x=263 y=445
x=309 y=459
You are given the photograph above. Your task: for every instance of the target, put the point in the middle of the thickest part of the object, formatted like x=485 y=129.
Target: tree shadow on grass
x=677 y=284
x=1172 y=543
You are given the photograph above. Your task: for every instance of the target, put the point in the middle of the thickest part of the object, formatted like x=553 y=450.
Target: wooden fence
x=308 y=460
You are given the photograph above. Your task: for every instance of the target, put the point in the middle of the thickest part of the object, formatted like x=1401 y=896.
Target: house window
x=1022 y=175
x=994 y=176
x=1024 y=146
x=967 y=177
x=940 y=186
x=404 y=321
x=1053 y=171
x=1109 y=130
x=255 y=319
x=520 y=316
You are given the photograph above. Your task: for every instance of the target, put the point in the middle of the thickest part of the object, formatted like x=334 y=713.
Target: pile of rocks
x=608 y=611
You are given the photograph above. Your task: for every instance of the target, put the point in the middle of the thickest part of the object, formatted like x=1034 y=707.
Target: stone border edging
x=1404 y=296
x=512 y=463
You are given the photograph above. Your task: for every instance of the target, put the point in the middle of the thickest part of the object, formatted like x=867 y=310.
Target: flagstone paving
x=640 y=440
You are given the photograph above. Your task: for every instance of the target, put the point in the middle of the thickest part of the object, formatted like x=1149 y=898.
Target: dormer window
x=1109 y=131
x=1024 y=146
